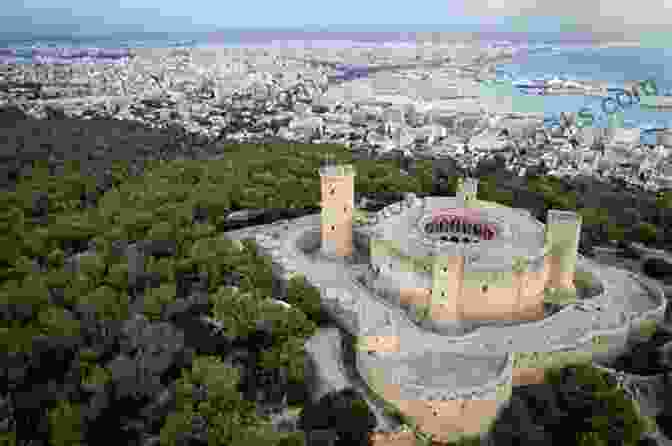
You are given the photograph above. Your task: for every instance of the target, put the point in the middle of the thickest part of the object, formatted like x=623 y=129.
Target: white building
x=429 y=133
x=624 y=136
x=401 y=137
x=307 y=127
x=394 y=115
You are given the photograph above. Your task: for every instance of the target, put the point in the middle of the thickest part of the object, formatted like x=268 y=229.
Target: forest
x=109 y=285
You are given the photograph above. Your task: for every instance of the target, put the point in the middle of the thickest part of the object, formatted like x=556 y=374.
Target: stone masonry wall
x=337 y=215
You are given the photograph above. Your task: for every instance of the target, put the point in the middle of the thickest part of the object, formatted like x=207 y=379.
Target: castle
x=461 y=258
x=458 y=261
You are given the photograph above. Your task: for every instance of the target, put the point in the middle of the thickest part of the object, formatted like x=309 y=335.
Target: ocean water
x=613 y=65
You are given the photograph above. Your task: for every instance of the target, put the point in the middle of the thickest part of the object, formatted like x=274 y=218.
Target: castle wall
x=449 y=415
x=527 y=376
x=533 y=282
x=466 y=413
x=447 y=276
x=488 y=295
x=508 y=296
x=452 y=419
x=402 y=279
x=458 y=292
x=530 y=290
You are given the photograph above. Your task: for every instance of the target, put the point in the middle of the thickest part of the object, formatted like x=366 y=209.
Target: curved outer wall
x=448 y=414
x=455 y=290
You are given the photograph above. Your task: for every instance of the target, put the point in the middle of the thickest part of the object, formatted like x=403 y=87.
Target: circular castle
x=466 y=262
x=462 y=260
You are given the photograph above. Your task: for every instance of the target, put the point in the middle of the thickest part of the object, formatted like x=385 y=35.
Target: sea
x=536 y=57
x=613 y=65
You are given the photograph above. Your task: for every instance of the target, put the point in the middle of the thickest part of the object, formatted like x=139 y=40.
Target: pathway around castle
x=624 y=297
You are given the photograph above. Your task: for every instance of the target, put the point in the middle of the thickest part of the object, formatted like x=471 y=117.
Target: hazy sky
x=185 y=15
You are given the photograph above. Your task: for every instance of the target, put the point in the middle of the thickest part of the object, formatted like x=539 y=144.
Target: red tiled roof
x=464 y=216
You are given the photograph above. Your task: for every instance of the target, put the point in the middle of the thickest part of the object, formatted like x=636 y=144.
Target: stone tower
x=338 y=196
x=467 y=192
x=563 y=231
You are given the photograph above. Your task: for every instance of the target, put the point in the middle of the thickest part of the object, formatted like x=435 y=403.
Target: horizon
x=364 y=32
x=449 y=18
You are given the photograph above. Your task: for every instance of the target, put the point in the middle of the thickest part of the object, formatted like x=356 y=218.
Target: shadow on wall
x=310 y=242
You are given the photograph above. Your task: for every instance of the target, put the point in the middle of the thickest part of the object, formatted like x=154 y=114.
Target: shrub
x=293 y=439
x=175 y=425
x=618 y=421
x=302 y=295
x=8 y=439
x=237 y=312
x=647 y=328
x=646 y=233
x=346 y=412
x=583 y=278
x=155 y=300
x=66 y=424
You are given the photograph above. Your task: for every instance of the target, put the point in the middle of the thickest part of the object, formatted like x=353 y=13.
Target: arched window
x=477 y=230
x=453 y=225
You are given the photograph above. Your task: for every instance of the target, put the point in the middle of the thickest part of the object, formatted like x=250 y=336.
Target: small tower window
x=445 y=270
x=345 y=209
x=443 y=294
x=484 y=288
x=333 y=227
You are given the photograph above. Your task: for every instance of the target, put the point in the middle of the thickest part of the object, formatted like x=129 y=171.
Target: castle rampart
x=516 y=265
x=571 y=335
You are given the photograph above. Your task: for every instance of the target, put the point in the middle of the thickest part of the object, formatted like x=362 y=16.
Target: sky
x=96 y=17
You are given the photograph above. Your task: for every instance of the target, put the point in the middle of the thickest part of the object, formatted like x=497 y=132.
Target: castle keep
x=460 y=258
